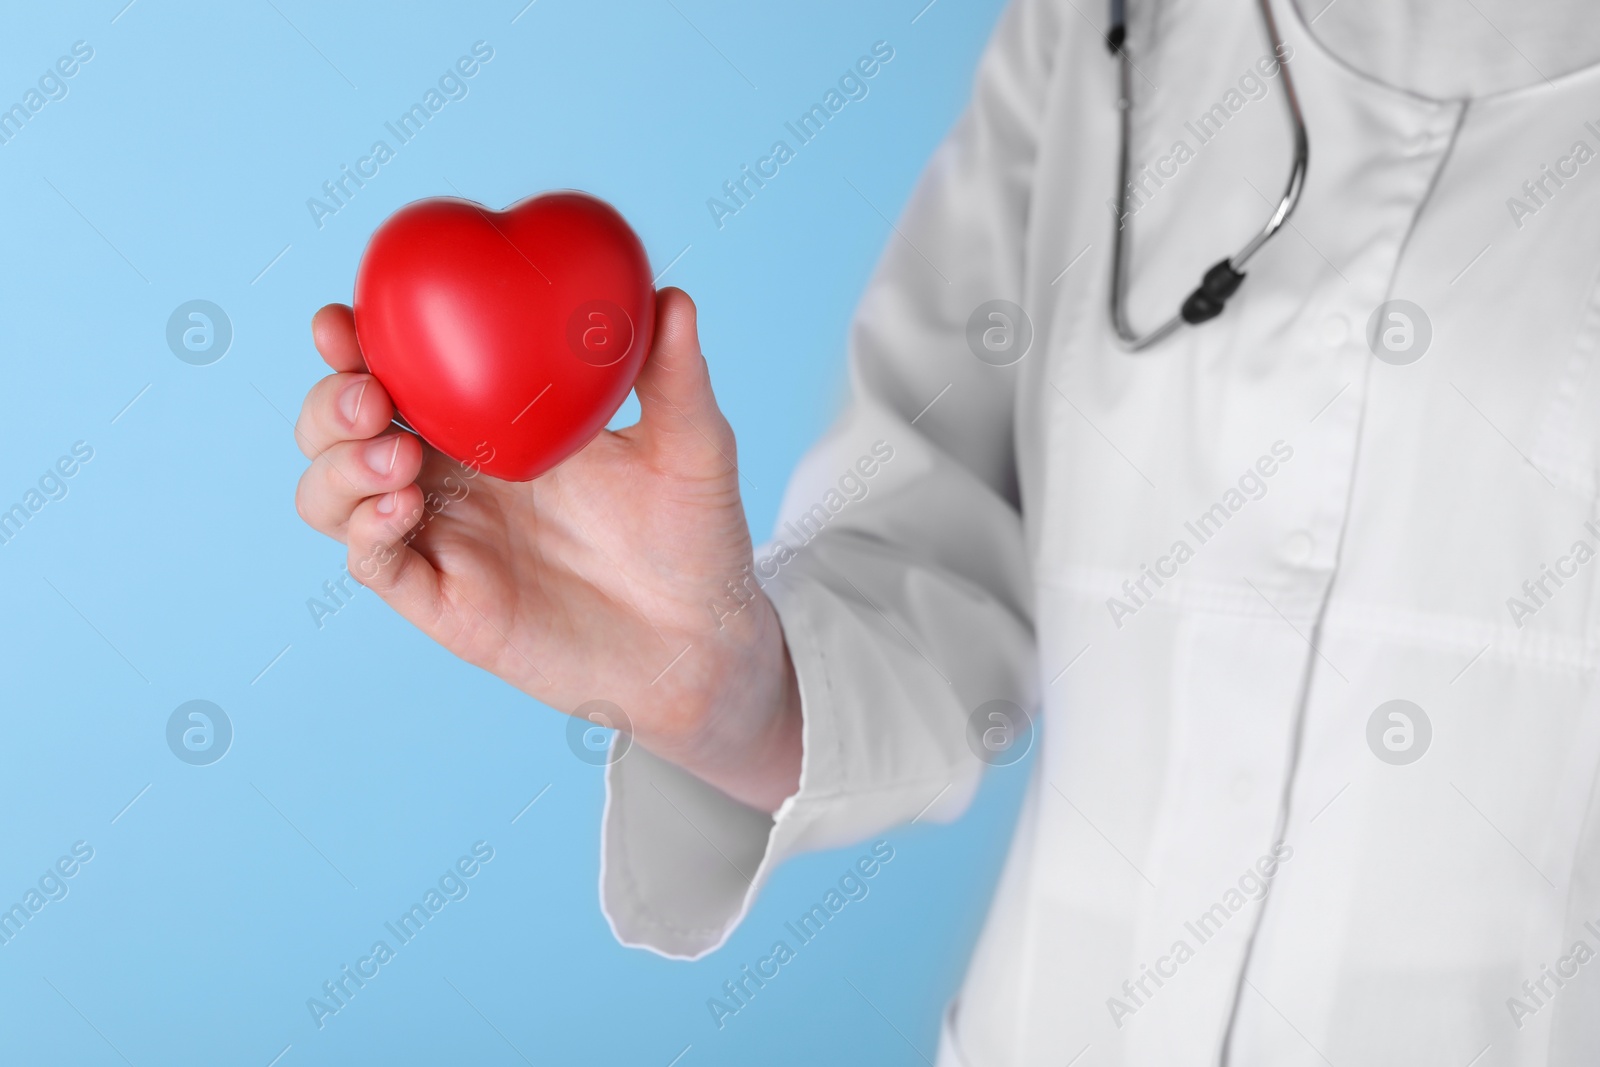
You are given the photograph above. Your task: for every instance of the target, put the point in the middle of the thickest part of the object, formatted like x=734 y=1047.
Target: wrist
x=746 y=736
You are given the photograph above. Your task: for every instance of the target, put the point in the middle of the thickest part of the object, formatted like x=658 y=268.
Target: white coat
x=1208 y=569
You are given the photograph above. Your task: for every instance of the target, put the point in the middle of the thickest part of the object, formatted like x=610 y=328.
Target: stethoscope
x=1222 y=280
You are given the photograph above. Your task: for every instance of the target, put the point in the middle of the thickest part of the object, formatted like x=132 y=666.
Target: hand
x=586 y=583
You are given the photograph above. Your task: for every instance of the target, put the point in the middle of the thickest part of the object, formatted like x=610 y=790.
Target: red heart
x=507 y=339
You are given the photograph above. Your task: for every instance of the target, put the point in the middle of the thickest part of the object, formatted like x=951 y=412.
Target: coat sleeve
x=898 y=569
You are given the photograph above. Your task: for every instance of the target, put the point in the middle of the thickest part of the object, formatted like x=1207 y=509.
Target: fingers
x=380 y=559
x=348 y=473
x=342 y=407
x=679 y=418
x=333 y=330
x=360 y=486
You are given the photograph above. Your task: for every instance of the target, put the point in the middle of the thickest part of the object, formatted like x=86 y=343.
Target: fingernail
x=350 y=400
x=381 y=454
x=386 y=503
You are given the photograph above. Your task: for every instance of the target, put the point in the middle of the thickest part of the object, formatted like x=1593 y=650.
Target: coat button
x=1297 y=548
x=1334 y=330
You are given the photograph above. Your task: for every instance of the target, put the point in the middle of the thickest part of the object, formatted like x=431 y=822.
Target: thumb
x=678 y=415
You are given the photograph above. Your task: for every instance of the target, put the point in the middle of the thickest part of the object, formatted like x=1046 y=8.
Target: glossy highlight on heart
x=507 y=339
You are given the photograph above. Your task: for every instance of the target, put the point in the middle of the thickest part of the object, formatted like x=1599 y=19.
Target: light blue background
x=366 y=759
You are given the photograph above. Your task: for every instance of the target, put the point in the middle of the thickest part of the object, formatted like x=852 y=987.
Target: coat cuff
x=681 y=861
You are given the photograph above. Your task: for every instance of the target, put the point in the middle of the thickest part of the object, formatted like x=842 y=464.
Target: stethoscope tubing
x=1224 y=277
